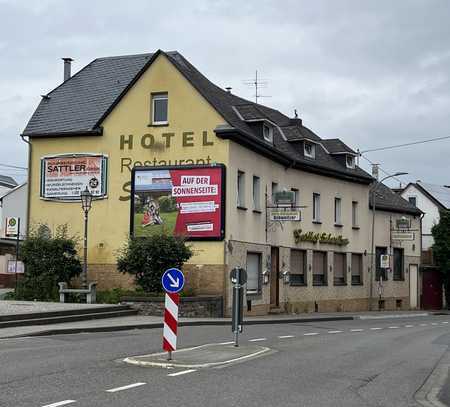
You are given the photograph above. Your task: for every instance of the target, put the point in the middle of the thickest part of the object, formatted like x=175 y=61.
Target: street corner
x=204 y=356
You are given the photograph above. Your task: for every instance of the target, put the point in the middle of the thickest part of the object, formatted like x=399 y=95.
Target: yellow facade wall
x=129 y=139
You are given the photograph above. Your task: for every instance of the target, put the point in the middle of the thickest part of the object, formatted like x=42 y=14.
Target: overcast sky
x=373 y=73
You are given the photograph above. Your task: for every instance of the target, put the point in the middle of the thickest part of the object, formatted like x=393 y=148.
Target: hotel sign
x=402 y=235
x=63 y=177
x=281 y=215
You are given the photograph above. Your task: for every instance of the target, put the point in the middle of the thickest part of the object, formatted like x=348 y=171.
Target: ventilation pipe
x=67 y=68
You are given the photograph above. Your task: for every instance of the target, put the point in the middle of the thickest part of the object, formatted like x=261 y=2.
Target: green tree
x=48 y=260
x=441 y=249
x=146 y=258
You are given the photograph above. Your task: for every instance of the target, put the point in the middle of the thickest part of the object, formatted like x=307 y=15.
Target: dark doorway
x=431 y=289
x=274 y=277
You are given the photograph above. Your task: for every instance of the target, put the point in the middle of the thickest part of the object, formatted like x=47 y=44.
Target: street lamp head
x=86 y=200
x=397 y=174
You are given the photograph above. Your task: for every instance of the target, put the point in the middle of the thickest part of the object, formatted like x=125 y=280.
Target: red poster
x=184 y=201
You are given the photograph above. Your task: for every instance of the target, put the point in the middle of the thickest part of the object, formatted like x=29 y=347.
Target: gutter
x=95 y=132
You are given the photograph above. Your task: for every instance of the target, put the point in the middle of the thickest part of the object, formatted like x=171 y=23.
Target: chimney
x=375 y=171
x=67 y=68
x=228 y=88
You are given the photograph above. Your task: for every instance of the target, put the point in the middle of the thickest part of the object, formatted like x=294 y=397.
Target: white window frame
x=312 y=154
x=316 y=207
x=337 y=211
x=240 y=189
x=256 y=193
x=353 y=163
x=155 y=97
x=355 y=214
x=269 y=139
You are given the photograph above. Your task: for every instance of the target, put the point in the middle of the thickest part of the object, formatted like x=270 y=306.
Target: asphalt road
x=343 y=363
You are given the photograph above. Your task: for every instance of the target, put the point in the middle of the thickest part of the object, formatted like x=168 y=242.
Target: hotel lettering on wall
x=64 y=176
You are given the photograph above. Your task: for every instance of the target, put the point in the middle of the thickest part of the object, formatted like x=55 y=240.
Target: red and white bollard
x=170 y=323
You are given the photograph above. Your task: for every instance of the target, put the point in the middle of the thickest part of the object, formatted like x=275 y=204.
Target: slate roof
x=79 y=105
x=388 y=200
x=7 y=181
x=439 y=193
x=334 y=146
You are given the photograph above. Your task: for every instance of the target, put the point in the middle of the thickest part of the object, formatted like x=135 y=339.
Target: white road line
x=182 y=372
x=393 y=327
x=311 y=334
x=375 y=329
x=129 y=386
x=356 y=330
x=445 y=322
x=226 y=343
x=335 y=332
x=60 y=403
x=423 y=324
x=434 y=323
x=409 y=326
x=257 y=340
x=285 y=336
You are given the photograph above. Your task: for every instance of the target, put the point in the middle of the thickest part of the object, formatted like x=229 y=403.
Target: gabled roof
x=336 y=146
x=439 y=194
x=388 y=200
x=12 y=191
x=7 y=181
x=79 y=105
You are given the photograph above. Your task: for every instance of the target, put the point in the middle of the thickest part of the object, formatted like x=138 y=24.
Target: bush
x=148 y=257
x=167 y=204
x=48 y=260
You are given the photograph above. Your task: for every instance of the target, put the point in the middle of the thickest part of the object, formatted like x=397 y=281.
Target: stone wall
x=190 y=307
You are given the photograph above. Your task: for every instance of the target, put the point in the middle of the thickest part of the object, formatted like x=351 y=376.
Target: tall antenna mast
x=258 y=83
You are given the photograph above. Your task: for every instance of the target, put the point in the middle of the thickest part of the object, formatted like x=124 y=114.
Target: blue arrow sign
x=173 y=280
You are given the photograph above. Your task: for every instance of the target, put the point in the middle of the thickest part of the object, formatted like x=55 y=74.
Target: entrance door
x=274 y=277
x=431 y=289
x=413 y=289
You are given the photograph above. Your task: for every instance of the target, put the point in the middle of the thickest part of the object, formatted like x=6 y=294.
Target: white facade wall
x=14 y=204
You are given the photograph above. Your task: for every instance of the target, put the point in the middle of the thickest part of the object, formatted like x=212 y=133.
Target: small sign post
x=13 y=230
x=238 y=277
x=173 y=283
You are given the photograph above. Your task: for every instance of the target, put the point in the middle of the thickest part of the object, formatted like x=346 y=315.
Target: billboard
x=63 y=177
x=179 y=200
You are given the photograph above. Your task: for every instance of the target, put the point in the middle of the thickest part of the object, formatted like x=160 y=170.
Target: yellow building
x=154 y=110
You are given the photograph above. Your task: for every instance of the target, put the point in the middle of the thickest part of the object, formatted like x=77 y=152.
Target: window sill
x=339 y=284
x=158 y=125
x=355 y=227
x=338 y=225
x=317 y=222
x=320 y=285
x=242 y=208
x=298 y=284
x=257 y=211
x=357 y=283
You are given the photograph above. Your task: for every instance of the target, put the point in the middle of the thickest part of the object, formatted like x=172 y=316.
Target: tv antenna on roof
x=258 y=83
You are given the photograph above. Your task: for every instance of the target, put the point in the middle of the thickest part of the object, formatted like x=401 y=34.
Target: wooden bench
x=90 y=292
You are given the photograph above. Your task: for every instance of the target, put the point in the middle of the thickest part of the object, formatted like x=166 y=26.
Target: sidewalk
x=148 y=322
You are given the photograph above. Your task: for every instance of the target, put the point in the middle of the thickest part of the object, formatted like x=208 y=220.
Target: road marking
x=60 y=403
x=423 y=324
x=129 y=386
x=434 y=323
x=445 y=322
x=311 y=334
x=409 y=326
x=226 y=343
x=257 y=340
x=182 y=372
x=335 y=332
x=285 y=336
x=393 y=327
x=375 y=329
x=356 y=330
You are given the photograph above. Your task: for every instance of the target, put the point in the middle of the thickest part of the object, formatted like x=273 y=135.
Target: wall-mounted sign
x=312 y=237
x=185 y=200
x=12 y=267
x=63 y=177
x=284 y=198
x=284 y=215
x=402 y=223
x=384 y=261
x=12 y=227
x=400 y=235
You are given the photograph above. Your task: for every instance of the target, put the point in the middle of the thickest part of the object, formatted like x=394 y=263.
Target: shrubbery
x=48 y=260
x=148 y=257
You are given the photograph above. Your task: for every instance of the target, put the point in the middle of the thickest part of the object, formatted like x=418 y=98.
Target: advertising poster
x=187 y=201
x=64 y=177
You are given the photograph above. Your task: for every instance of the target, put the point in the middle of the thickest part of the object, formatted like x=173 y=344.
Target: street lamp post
x=86 y=203
x=374 y=206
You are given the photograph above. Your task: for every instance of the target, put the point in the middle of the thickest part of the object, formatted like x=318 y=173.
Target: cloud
x=373 y=73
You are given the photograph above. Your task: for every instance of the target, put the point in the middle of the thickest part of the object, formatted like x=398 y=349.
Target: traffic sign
x=173 y=280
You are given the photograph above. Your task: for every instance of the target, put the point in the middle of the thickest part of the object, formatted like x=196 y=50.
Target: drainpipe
x=27 y=225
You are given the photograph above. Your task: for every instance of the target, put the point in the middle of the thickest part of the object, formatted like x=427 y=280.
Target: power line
x=406 y=144
x=381 y=169
x=13 y=166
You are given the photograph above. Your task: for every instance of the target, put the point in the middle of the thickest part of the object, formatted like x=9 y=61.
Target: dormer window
x=350 y=161
x=268 y=133
x=309 y=149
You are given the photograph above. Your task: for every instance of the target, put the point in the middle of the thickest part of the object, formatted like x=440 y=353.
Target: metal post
x=373 y=259
x=169 y=355
x=236 y=306
x=17 y=252
x=84 y=274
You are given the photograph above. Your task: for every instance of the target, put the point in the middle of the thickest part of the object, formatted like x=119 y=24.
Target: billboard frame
x=184 y=167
